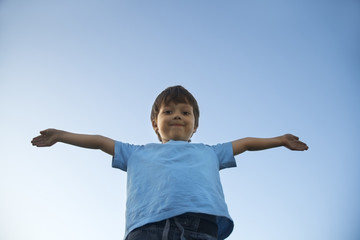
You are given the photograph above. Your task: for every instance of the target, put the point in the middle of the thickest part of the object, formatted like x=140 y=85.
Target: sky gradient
x=257 y=68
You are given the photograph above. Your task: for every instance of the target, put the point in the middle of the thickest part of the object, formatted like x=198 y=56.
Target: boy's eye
x=186 y=113
x=167 y=112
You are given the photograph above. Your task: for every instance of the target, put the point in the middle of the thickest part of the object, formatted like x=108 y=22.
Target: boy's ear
x=155 y=127
x=195 y=128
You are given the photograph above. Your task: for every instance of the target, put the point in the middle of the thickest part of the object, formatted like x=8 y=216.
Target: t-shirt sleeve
x=122 y=153
x=225 y=154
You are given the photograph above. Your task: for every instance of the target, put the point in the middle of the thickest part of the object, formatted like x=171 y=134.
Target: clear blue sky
x=258 y=68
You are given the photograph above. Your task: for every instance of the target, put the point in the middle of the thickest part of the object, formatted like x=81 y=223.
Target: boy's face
x=175 y=122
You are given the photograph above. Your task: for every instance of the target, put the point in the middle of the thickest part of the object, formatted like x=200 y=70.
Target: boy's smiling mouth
x=176 y=125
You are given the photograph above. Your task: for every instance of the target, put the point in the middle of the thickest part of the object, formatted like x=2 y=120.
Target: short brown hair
x=176 y=94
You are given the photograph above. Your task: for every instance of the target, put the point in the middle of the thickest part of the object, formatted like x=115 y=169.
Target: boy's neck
x=174 y=140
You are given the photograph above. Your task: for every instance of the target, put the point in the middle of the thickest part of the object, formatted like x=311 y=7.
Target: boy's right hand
x=47 y=138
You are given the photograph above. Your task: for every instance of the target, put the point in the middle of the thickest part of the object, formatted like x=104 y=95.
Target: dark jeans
x=184 y=227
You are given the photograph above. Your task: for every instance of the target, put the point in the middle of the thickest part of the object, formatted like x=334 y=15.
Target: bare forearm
x=255 y=144
x=79 y=140
x=86 y=141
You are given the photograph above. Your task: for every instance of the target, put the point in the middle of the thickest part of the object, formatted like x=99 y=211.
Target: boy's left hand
x=292 y=142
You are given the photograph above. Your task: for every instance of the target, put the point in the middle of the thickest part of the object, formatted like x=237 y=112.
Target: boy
x=173 y=188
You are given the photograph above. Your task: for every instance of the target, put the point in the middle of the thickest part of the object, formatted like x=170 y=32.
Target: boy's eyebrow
x=166 y=106
x=187 y=106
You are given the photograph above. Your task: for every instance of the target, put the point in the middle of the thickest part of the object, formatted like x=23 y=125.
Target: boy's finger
x=295 y=137
x=303 y=146
x=35 y=141
x=37 y=138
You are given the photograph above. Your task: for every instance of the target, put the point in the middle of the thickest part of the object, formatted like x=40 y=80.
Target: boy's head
x=177 y=106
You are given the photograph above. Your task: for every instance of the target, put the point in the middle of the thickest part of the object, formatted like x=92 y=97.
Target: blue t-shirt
x=166 y=180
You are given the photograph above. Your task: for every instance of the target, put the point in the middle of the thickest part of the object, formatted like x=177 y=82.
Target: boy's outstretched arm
x=254 y=144
x=49 y=137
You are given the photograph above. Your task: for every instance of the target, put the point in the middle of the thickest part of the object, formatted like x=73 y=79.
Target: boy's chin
x=178 y=139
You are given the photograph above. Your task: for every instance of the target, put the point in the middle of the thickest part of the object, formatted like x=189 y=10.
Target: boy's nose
x=177 y=116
